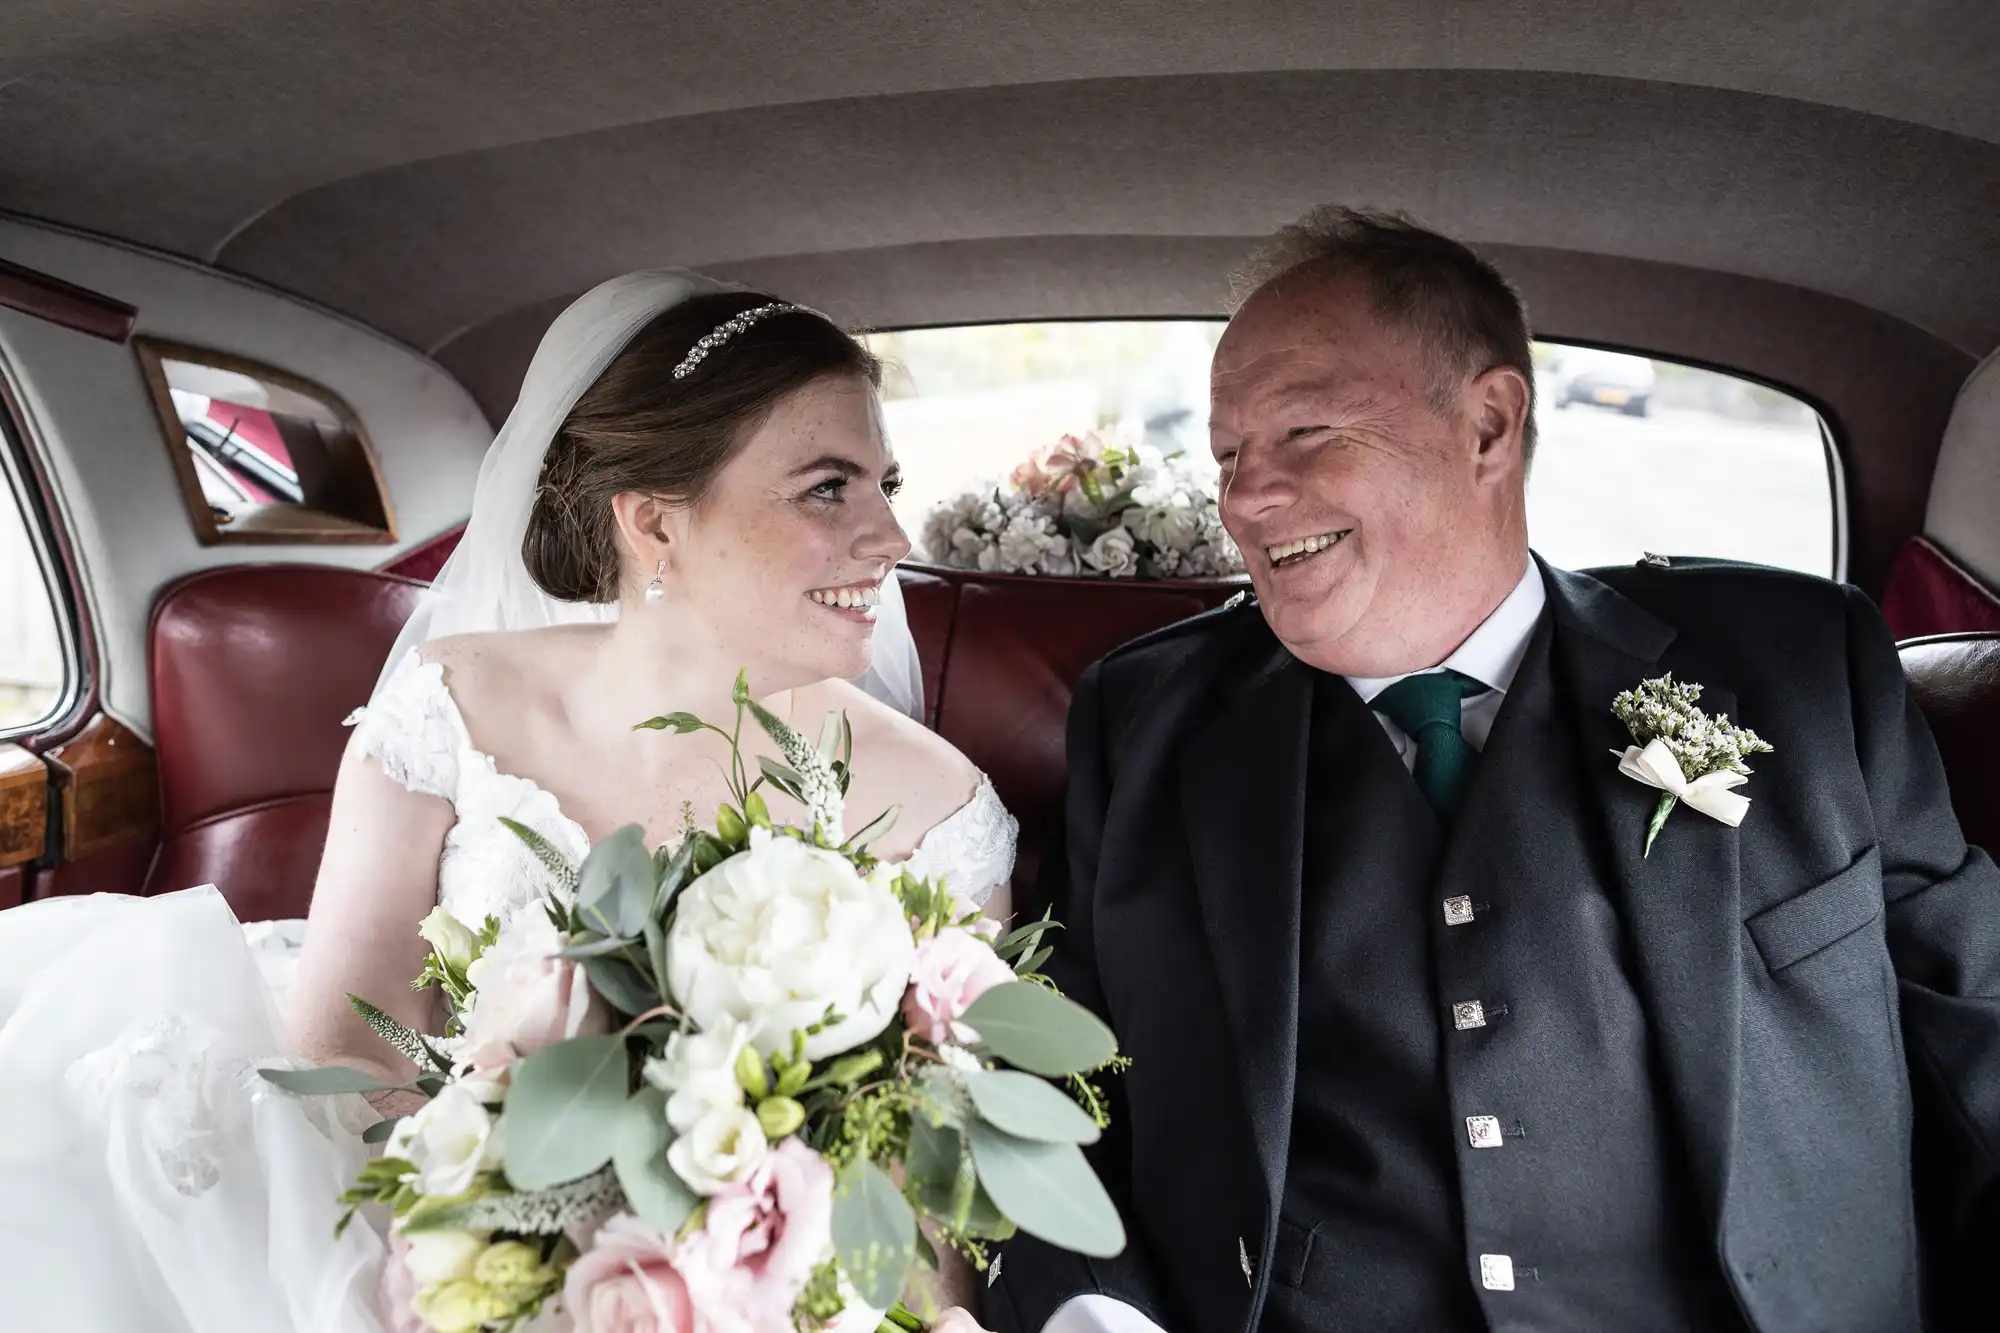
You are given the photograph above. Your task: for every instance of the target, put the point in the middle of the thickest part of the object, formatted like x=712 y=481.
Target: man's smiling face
x=1372 y=523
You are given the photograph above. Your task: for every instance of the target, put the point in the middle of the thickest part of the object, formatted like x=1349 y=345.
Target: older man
x=1424 y=1036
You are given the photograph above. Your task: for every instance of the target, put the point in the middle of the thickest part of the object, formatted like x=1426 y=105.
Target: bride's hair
x=638 y=428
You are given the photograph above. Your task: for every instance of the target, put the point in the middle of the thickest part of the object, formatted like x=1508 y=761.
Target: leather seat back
x=254 y=668
x=1955 y=679
x=1002 y=655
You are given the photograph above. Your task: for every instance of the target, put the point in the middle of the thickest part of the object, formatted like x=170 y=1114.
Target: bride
x=694 y=481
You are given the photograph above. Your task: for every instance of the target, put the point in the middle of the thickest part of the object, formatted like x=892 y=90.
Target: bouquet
x=1083 y=506
x=717 y=1086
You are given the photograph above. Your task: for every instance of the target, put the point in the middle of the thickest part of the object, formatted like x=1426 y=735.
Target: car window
x=1636 y=454
x=35 y=672
x=262 y=455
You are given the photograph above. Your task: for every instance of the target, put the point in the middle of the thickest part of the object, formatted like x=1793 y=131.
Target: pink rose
x=396 y=1292
x=747 y=1265
x=1060 y=467
x=527 y=998
x=626 y=1282
x=953 y=968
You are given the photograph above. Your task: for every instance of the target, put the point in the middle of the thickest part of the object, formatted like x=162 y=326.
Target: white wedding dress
x=150 y=1181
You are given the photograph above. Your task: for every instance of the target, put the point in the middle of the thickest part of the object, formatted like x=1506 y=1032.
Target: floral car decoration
x=1085 y=507
x=718 y=1085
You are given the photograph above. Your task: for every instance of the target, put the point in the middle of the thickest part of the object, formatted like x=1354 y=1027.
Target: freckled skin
x=767 y=534
x=1323 y=422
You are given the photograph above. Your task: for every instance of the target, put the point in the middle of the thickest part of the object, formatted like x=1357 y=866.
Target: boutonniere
x=1684 y=752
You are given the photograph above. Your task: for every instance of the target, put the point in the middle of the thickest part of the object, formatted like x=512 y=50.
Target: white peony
x=699 y=1070
x=1024 y=540
x=722 y=1149
x=1114 y=553
x=777 y=935
x=450 y=1141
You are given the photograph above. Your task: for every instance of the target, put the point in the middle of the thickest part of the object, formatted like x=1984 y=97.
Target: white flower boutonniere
x=1684 y=752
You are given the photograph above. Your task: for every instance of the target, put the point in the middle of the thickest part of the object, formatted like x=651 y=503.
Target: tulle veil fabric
x=485 y=584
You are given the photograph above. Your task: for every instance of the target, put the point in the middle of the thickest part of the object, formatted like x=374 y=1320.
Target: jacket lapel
x=1682 y=903
x=1242 y=776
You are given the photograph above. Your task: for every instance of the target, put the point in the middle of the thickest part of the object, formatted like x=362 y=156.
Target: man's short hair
x=1462 y=313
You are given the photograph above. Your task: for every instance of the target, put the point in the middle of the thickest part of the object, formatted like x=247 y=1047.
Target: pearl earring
x=657 y=588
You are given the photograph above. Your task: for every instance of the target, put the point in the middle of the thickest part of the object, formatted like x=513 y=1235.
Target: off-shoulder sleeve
x=973 y=849
x=411 y=728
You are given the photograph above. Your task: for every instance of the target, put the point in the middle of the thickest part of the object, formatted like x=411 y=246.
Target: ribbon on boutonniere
x=1684 y=753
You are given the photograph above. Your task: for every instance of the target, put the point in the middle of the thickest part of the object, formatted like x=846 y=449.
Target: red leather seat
x=253 y=670
x=1955 y=679
x=1002 y=654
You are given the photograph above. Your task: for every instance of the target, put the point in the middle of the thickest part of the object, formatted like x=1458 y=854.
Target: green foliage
x=1033 y=1028
x=563 y=1106
x=552 y=860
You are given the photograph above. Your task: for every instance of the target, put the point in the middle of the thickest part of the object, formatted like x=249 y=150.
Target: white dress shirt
x=1490 y=656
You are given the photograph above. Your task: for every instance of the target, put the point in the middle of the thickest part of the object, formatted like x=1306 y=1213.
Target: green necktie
x=1426 y=707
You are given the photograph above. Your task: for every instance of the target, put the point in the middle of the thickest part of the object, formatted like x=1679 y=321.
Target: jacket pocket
x=1825 y=914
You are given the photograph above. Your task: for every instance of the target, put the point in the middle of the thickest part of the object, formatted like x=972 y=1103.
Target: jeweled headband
x=726 y=330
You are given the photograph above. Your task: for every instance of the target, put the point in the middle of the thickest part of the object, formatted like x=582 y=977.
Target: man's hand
x=958 y=1320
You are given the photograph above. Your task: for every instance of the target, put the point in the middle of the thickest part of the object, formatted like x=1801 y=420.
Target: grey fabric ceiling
x=451 y=170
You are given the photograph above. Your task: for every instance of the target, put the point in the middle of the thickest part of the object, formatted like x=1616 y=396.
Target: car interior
x=271 y=273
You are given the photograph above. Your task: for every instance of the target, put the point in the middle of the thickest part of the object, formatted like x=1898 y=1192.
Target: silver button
x=1483 y=1131
x=1458 y=911
x=1496 y=1272
x=1243 y=1257
x=1467 y=1015
x=993 y=1273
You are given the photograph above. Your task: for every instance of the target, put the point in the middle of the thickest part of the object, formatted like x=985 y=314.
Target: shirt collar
x=1493 y=653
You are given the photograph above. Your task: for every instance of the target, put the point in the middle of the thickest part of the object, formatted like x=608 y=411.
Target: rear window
x=1636 y=454
x=36 y=673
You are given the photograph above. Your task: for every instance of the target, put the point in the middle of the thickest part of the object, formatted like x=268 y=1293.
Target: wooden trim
x=64 y=303
x=109 y=781
x=297 y=525
x=24 y=806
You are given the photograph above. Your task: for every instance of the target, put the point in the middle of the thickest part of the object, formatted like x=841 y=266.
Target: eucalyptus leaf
x=639 y=1155
x=673 y=878
x=829 y=737
x=874 y=1233
x=1024 y=938
x=656 y=955
x=327 y=1081
x=1037 y=1030
x=380 y=1131
x=563 y=1104
x=615 y=886
x=1028 y=1108
x=1033 y=962
x=1048 y=1190
x=622 y=985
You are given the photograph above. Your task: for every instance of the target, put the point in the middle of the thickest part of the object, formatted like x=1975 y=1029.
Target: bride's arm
x=377 y=881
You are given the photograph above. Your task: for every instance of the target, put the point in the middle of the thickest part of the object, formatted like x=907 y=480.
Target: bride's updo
x=640 y=429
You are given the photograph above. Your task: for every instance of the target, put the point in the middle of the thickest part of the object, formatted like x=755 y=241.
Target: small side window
x=263 y=456
x=36 y=666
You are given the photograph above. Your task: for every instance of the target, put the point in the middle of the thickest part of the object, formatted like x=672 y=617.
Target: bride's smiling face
x=783 y=558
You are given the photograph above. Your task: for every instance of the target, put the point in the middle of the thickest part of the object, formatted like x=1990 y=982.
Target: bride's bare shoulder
x=502 y=670
x=897 y=759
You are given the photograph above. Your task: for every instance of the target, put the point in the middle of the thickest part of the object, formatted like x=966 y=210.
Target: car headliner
x=453 y=171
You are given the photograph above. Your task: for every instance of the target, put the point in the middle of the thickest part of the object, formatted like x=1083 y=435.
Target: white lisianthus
x=436 y=1257
x=722 y=1149
x=699 y=1070
x=1024 y=540
x=1113 y=553
x=1169 y=525
x=450 y=1141
x=454 y=942
x=779 y=934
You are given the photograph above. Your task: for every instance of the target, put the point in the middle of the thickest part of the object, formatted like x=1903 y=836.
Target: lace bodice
x=412 y=727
